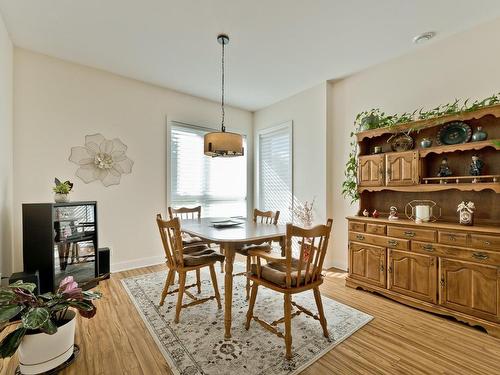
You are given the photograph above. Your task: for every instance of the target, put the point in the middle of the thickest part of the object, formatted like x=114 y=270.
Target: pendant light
x=223 y=143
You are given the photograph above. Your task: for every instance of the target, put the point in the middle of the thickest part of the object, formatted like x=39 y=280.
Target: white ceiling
x=278 y=47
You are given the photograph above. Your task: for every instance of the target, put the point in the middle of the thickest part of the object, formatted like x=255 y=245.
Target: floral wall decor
x=101 y=159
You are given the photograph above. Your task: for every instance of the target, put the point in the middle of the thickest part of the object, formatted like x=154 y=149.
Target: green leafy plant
x=42 y=313
x=62 y=187
x=376 y=119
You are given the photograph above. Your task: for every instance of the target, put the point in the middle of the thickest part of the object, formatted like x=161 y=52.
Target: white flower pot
x=61 y=198
x=41 y=352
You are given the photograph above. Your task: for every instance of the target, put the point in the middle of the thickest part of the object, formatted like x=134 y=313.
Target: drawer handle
x=381 y=268
x=452 y=237
x=360 y=237
x=487 y=243
x=480 y=256
x=410 y=234
x=428 y=247
x=393 y=242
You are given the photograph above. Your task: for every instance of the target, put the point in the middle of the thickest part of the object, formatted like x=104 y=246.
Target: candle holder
x=422 y=211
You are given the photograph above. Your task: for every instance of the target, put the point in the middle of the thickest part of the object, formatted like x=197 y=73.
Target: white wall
x=57 y=103
x=462 y=66
x=6 y=173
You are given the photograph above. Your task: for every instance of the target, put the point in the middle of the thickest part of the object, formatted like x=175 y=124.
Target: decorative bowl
x=454 y=133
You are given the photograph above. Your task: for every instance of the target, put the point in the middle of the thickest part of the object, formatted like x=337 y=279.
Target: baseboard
x=340 y=265
x=137 y=263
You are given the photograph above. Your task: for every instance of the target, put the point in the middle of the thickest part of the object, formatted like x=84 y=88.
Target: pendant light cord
x=222 y=99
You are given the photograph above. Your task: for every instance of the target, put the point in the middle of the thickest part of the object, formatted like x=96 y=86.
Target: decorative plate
x=402 y=142
x=454 y=133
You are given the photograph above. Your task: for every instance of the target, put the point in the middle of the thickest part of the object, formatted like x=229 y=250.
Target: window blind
x=219 y=185
x=275 y=171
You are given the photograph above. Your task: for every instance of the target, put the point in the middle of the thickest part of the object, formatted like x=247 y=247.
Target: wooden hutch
x=441 y=267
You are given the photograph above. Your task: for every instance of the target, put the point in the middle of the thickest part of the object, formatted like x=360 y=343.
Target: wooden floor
x=400 y=340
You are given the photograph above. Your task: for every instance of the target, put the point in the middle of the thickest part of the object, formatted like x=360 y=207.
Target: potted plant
x=46 y=330
x=62 y=190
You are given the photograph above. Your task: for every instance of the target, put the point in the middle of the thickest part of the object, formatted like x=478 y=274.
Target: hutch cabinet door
x=367 y=263
x=402 y=168
x=414 y=275
x=371 y=170
x=470 y=288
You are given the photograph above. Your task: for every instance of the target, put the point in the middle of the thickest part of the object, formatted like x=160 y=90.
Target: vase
x=61 y=198
x=426 y=143
x=479 y=135
x=41 y=352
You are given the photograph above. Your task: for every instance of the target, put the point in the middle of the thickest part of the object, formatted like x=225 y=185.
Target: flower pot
x=40 y=352
x=61 y=198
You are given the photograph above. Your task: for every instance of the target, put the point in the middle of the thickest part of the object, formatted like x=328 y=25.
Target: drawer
x=356 y=226
x=485 y=241
x=412 y=233
x=375 y=228
x=477 y=256
x=393 y=243
x=452 y=238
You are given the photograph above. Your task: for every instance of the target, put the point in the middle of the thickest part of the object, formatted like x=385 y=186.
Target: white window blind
x=219 y=185
x=275 y=170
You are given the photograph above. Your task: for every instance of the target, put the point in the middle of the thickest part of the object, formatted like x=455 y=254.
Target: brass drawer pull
x=360 y=237
x=393 y=242
x=410 y=234
x=381 y=268
x=480 y=256
x=452 y=237
x=428 y=247
x=487 y=243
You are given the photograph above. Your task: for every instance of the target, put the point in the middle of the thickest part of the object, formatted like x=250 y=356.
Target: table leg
x=228 y=288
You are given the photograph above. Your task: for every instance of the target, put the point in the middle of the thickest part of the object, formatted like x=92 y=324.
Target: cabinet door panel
x=402 y=168
x=371 y=170
x=413 y=274
x=471 y=288
x=367 y=263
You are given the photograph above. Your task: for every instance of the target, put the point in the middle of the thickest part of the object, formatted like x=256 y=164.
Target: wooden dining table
x=230 y=239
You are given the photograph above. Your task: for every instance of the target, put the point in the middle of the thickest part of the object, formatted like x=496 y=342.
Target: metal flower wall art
x=101 y=159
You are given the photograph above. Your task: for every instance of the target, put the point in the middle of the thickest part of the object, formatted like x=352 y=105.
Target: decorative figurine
x=444 y=169
x=377 y=149
x=375 y=214
x=466 y=213
x=366 y=213
x=393 y=213
x=426 y=143
x=476 y=166
x=479 y=135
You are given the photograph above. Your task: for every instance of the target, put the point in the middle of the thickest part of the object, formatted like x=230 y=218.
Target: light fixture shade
x=223 y=144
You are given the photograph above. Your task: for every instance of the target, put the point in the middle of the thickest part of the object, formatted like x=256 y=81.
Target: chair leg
x=249 y=265
x=221 y=250
x=288 y=324
x=253 y=297
x=319 y=304
x=214 y=284
x=198 y=281
x=168 y=281
x=182 y=284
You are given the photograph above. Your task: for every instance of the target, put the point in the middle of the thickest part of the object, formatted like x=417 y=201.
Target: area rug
x=196 y=344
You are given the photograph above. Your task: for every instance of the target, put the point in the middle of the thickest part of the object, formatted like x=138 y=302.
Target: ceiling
x=278 y=47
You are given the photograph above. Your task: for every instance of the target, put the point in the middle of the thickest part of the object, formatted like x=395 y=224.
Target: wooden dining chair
x=290 y=276
x=263 y=217
x=183 y=259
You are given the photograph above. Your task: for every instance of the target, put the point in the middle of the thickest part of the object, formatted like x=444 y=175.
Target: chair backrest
x=170 y=232
x=185 y=212
x=266 y=217
x=313 y=244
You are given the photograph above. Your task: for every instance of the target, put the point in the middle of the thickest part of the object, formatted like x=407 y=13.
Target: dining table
x=231 y=234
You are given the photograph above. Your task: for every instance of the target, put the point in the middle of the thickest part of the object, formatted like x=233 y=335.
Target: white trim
x=137 y=263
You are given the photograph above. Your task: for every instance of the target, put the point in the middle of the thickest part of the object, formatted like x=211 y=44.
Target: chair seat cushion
x=195 y=248
x=202 y=257
x=244 y=250
x=189 y=240
x=275 y=272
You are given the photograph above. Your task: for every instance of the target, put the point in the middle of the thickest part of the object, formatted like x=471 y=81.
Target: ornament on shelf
x=476 y=166
x=375 y=214
x=393 y=213
x=422 y=210
x=366 y=213
x=426 y=143
x=377 y=150
x=444 y=169
x=479 y=135
x=466 y=213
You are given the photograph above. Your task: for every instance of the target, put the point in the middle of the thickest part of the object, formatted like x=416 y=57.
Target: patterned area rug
x=196 y=345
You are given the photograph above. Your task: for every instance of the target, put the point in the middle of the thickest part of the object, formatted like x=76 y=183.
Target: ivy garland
x=375 y=119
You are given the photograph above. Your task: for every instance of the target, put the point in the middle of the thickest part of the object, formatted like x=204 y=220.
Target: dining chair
x=289 y=275
x=263 y=217
x=183 y=259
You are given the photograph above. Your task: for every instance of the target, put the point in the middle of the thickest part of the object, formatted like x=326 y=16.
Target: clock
x=466 y=217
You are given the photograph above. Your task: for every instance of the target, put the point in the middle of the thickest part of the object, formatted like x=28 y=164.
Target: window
x=219 y=185
x=275 y=186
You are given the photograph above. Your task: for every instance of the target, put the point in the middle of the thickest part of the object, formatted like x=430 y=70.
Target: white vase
x=61 y=198
x=41 y=352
